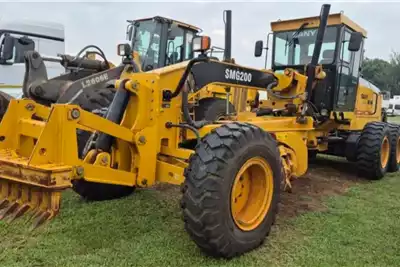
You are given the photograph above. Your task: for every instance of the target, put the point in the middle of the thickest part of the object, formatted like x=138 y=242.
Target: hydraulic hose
x=186 y=75
x=185 y=126
x=273 y=84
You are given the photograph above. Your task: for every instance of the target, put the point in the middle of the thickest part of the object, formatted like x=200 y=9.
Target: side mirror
x=129 y=32
x=355 y=41
x=258 y=49
x=201 y=44
x=7 y=51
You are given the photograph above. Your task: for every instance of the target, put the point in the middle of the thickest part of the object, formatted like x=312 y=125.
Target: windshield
x=299 y=50
x=146 y=42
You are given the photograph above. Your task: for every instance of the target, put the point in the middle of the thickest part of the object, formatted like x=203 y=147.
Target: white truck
x=394 y=106
x=22 y=35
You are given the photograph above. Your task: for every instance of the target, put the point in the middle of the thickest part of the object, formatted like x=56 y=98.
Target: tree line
x=385 y=74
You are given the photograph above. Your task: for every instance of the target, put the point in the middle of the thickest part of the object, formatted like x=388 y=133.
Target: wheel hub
x=252 y=194
x=385 y=152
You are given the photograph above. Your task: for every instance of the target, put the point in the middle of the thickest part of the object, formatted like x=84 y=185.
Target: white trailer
x=45 y=37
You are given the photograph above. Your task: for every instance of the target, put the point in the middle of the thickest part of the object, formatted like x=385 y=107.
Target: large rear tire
x=93 y=101
x=394 y=160
x=212 y=109
x=232 y=189
x=373 y=150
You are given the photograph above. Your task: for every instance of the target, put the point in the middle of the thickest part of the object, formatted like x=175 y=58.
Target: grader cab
x=160 y=42
x=230 y=171
x=343 y=97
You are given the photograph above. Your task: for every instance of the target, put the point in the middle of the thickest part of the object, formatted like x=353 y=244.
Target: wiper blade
x=299 y=30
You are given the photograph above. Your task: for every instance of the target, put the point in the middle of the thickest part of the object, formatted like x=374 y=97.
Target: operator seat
x=327 y=56
x=305 y=60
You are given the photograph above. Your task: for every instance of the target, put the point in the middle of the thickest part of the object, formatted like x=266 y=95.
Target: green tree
x=377 y=72
x=384 y=74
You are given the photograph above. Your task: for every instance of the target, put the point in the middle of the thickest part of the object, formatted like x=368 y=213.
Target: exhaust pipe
x=228 y=35
x=323 y=21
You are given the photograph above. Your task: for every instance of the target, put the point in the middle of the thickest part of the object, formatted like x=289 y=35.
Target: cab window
x=175 y=45
x=188 y=44
x=291 y=48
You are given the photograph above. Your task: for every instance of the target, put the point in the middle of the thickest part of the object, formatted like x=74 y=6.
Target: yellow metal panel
x=333 y=19
x=30 y=127
x=169 y=173
x=101 y=174
x=296 y=141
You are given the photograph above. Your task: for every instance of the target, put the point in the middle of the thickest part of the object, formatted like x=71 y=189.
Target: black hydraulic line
x=186 y=75
x=185 y=126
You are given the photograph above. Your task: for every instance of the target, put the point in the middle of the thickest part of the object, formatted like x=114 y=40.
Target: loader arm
x=84 y=74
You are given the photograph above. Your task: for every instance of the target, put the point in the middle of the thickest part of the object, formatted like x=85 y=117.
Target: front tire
x=232 y=190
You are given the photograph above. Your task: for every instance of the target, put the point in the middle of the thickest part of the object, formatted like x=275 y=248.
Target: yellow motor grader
x=158 y=42
x=230 y=171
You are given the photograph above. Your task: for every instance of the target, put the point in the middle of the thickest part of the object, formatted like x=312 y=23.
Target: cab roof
x=333 y=19
x=180 y=23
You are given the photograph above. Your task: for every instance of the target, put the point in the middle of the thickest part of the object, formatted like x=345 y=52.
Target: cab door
x=348 y=74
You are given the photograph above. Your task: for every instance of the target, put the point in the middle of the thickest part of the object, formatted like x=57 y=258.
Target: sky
x=104 y=23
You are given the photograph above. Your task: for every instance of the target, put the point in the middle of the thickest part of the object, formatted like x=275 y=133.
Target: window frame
x=275 y=67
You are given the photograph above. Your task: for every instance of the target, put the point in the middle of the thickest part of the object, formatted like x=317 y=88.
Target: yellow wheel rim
x=398 y=150
x=251 y=194
x=385 y=148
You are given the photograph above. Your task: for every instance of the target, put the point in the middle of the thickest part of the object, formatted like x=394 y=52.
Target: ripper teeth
x=17 y=200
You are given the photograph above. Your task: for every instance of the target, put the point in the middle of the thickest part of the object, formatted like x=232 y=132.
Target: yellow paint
x=251 y=193
x=398 y=150
x=385 y=151
x=333 y=19
x=6 y=86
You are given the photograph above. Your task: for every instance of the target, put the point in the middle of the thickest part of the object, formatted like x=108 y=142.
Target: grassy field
x=341 y=221
x=333 y=218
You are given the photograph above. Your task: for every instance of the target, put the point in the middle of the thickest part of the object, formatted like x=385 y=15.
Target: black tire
x=394 y=147
x=94 y=100
x=206 y=200
x=210 y=109
x=4 y=102
x=312 y=155
x=369 y=150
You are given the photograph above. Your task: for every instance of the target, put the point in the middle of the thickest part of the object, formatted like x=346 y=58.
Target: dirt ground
x=326 y=176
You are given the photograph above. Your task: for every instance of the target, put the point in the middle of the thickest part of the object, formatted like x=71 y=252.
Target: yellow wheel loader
x=230 y=171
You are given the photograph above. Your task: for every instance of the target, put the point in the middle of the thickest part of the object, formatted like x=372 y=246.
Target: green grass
x=394 y=119
x=359 y=228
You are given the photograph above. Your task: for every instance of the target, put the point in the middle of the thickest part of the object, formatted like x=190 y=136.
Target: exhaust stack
x=228 y=35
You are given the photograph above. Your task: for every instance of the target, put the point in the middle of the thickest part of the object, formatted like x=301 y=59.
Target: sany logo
x=307 y=33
